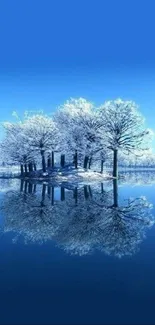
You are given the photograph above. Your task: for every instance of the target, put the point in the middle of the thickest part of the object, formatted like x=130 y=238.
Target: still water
x=78 y=255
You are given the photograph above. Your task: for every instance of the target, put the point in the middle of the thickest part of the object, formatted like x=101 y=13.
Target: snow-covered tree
x=42 y=136
x=88 y=136
x=27 y=139
x=78 y=125
x=15 y=147
x=123 y=126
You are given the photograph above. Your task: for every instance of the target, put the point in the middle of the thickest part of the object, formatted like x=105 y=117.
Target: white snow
x=81 y=175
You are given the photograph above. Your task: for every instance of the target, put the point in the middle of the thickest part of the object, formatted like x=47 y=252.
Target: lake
x=78 y=255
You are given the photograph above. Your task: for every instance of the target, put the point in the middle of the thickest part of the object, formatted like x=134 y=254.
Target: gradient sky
x=56 y=49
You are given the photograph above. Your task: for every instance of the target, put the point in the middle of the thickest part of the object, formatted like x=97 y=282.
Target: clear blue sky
x=56 y=49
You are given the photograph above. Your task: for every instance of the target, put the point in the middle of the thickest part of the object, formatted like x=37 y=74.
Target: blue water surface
x=75 y=272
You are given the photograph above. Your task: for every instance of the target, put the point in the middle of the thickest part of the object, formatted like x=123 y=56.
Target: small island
x=76 y=142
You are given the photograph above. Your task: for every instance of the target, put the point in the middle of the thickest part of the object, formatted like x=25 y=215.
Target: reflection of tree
x=125 y=226
x=84 y=219
x=31 y=214
x=7 y=184
x=112 y=229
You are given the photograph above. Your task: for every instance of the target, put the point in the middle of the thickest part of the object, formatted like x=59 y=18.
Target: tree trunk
x=22 y=169
x=102 y=164
x=49 y=161
x=115 y=193
x=30 y=167
x=25 y=167
x=115 y=164
x=85 y=165
x=43 y=161
x=90 y=161
x=52 y=159
x=35 y=167
x=62 y=161
x=76 y=159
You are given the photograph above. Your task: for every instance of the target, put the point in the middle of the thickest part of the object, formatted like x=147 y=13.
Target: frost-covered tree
x=78 y=124
x=86 y=134
x=15 y=147
x=101 y=157
x=27 y=139
x=123 y=126
x=41 y=135
x=137 y=159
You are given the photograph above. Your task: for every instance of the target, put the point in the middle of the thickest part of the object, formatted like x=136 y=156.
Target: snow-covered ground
x=71 y=176
x=81 y=175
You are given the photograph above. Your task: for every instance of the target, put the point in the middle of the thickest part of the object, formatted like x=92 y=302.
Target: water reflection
x=79 y=220
x=137 y=177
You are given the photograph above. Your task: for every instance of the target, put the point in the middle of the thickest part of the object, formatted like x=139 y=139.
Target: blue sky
x=56 y=49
